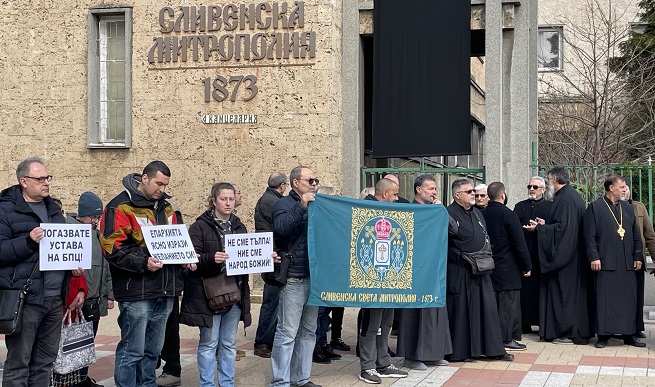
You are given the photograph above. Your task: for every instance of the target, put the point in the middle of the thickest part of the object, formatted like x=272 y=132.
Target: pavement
x=541 y=364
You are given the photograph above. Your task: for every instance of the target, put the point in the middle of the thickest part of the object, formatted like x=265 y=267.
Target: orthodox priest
x=424 y=334
x=614 y=249
x=563 y=304
x=535 y=206
x=471 y=302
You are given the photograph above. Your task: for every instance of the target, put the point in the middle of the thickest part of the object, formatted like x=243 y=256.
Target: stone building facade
x=225 y=92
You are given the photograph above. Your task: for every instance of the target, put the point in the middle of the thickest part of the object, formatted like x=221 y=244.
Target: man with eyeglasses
x=470 y=298
x=277 y=185
x=98 y=278
x=564 y=316
x=481 y=198
x=295 y=335
x=32 y=351
x=535 y=206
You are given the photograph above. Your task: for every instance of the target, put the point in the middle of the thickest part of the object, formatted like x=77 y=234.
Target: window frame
x=560 y=30
x=93 y=78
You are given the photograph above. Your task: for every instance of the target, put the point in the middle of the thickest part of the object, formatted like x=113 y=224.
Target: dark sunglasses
x=311 y=181
x=480 y=195
x=468 y=192
x=533 y=186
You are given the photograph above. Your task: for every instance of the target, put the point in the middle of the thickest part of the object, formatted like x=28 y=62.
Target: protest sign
x=170 y=243
x=249 y=253
x=65 y=246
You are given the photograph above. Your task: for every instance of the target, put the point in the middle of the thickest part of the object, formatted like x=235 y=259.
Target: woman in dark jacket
x=218 y=328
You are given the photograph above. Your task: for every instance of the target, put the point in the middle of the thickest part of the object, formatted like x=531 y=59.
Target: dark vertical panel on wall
x=421 y=78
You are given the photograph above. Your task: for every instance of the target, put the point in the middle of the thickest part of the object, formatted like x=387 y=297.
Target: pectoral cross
x=621 y=232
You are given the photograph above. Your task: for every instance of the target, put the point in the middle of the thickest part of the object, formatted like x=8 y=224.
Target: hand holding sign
x=154 y=264
x=220 y=257
x=36 y=234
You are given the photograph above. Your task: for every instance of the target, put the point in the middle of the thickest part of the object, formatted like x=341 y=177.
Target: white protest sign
x=169 y=243
x=249 y=253
x=65 y=246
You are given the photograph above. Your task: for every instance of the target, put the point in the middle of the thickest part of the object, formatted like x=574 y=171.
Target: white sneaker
x=370 y=376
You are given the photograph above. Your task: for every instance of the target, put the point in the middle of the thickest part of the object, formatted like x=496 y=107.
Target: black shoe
x=319 y=356
x=339 y=345
x=580 y=341
x=390 y=352
x=262 y=350
x=601 y=344
x=514 y=346
x=394 y=332
x=505 y=357
x=329 y=353
x=640 y=335
x=635 y=342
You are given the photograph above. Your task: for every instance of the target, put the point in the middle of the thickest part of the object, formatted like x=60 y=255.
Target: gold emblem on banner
x=381 y=249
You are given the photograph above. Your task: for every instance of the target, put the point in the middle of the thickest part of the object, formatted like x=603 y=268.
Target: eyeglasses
x=480 y=196
x=40 y=180
x=467 y=192
x=94 y=218
x=311 y=181
x=533 y=186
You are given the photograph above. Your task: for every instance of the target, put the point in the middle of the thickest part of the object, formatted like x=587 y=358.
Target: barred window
x=109 y=83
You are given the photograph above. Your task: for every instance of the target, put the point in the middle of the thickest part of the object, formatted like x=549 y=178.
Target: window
x=110 y=78
x=549 y=48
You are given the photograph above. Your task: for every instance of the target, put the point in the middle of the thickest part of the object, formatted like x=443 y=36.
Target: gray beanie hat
x=89 y=204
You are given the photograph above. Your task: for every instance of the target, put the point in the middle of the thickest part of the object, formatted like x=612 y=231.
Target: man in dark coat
x=472 y=311
x=614 y=249
x=424 y=333
x=512 y=261
x=564 y=314
x=32 y=351
x=535 y=206
x=295 y=333
x=277 y=184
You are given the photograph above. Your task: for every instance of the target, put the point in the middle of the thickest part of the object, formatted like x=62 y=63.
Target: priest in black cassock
x=424 y=333
x=614 y=249
x=472 y=311
x=564 y=316
x=535 y=206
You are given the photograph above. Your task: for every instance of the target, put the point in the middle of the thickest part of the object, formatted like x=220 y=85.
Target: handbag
x=91 y=306
x=12 y=302
x=221 y=291
x=481 y=261
x=76 y=348
x=278 y=277
x=91 y=309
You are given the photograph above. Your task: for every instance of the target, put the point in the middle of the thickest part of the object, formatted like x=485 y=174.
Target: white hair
x=480 y=186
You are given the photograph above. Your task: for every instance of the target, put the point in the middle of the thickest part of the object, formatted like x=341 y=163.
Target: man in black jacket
x=512 y=260
x=32 y=351
x=143 y=286
x=277 y=184
x=295 y=334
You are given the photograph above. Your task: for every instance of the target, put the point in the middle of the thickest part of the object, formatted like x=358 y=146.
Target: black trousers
x=509 y=314
x=170 y=352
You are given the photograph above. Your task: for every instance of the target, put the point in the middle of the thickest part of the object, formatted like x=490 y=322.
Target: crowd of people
x=573 y=271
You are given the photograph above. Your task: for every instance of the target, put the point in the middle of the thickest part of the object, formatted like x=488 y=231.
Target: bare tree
x=590 y=113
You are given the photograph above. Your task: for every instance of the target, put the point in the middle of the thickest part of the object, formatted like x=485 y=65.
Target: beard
x=532 y=196
x=550 y=192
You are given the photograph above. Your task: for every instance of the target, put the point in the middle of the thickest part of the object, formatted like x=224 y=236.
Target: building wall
x=44 y=107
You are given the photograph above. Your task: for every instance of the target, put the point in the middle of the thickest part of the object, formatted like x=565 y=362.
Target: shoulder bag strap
x=29 y=280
